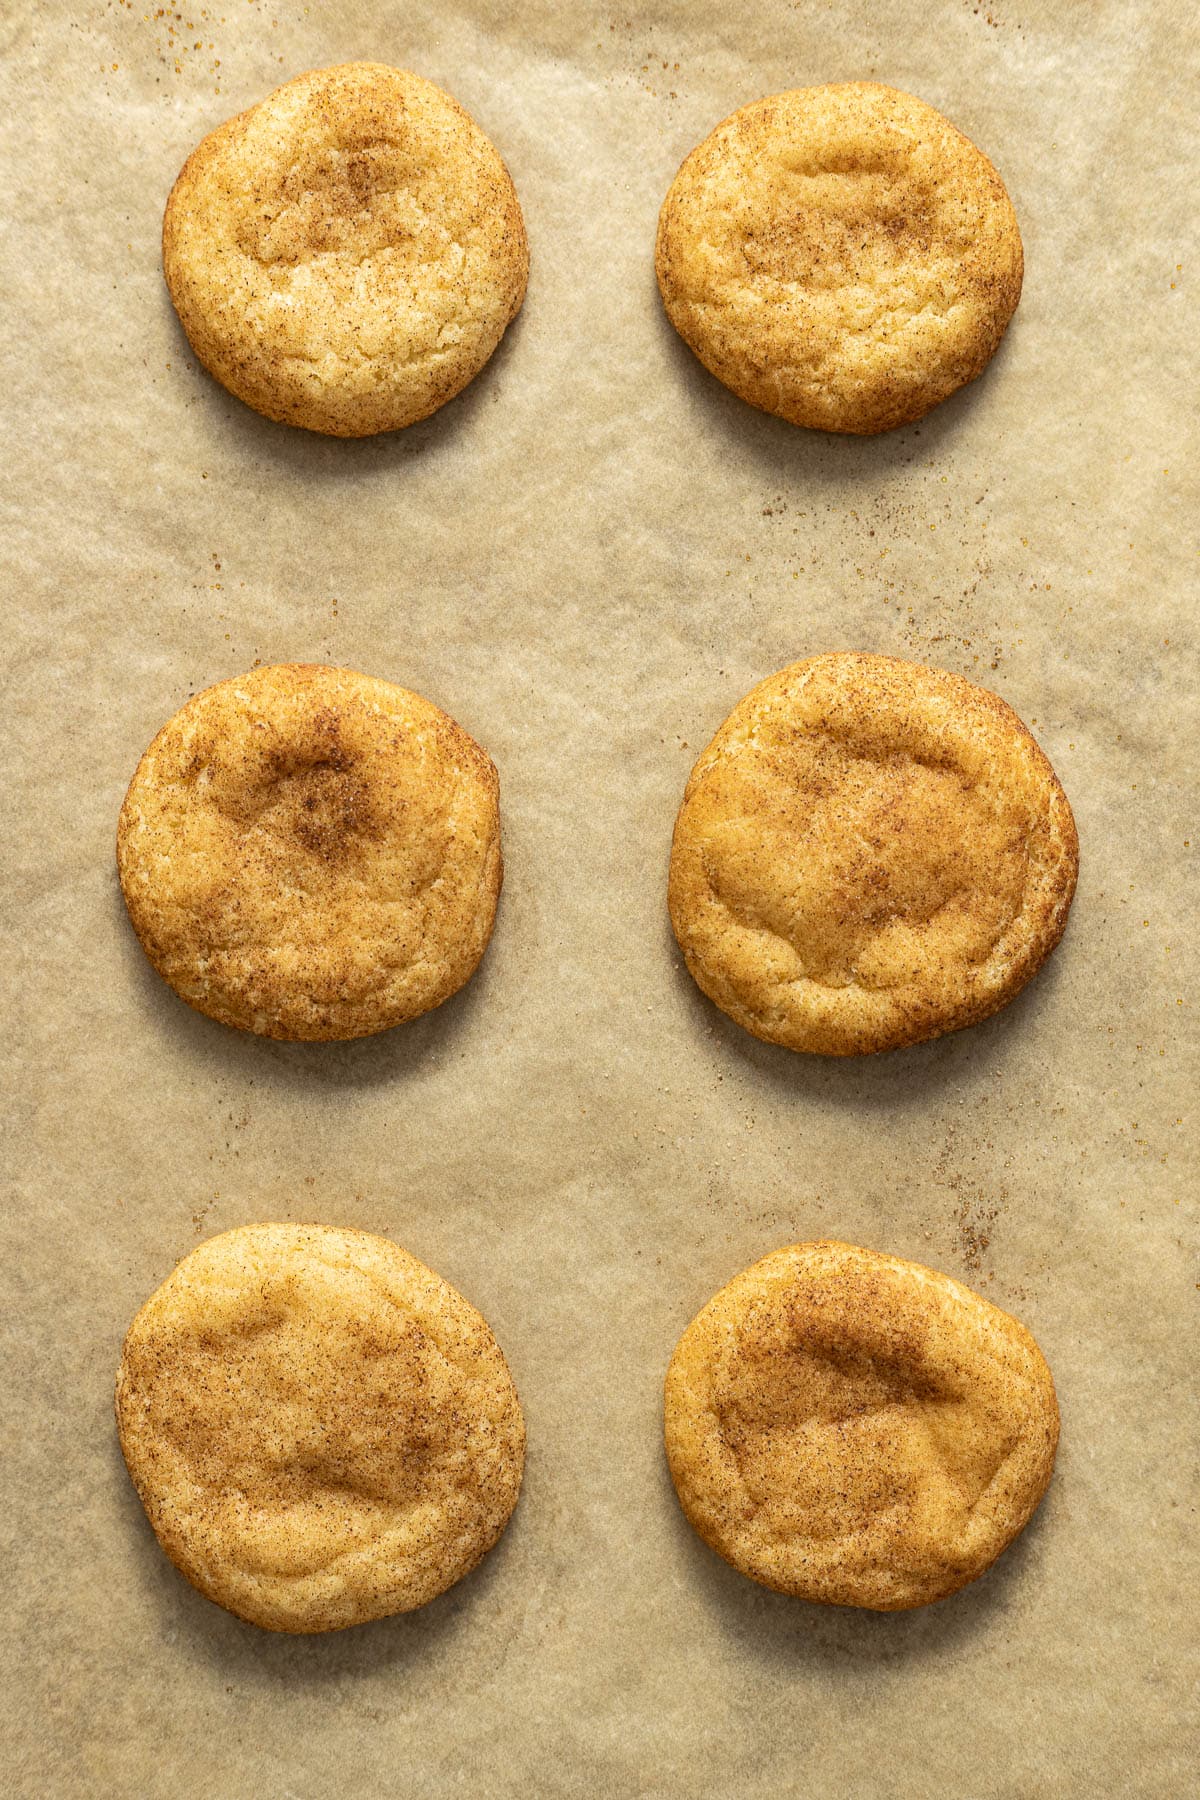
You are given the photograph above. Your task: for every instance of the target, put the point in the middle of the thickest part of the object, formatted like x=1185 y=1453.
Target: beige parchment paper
x=587 y=559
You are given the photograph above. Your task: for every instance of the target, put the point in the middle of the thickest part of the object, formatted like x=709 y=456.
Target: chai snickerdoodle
x=322 y=1431
x=840 y=255
x=307 y=852
x=868 y=854
x=347 y=254
x=856 y=1429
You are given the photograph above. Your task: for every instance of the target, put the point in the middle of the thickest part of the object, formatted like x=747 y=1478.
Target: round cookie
x=857 y=1430
x=310 y=853
x=347 y=254
x=322 y=1431
x=868 y=854
x=841 y=256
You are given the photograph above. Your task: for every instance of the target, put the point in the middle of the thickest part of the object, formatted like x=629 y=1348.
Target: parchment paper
x=587 y=559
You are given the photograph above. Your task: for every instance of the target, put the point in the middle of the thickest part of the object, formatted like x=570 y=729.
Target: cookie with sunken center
x=312 y=853
x=868 y=854
x=841 y=256
x=322 y=1431
x=346 y=255
x=858 y=1430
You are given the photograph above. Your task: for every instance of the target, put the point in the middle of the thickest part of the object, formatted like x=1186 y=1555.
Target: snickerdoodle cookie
x=858 y=1430
x=322 y=1430
x=307 y=852
x=841 y=256
x=347 y=254
x=868 y=854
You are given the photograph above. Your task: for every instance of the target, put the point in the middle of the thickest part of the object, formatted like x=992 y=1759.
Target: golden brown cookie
x=311 y=853
x=857 y=1430
x=868 y=854
x=322 y=1431
x=841 y=256
x=347 y=254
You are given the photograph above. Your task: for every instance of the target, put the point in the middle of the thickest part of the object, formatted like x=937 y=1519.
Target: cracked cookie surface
x=856 y=1429
x=868 y=854
x=311 y=853
x=841 y=256
x=322 y=1431
x=347 y=254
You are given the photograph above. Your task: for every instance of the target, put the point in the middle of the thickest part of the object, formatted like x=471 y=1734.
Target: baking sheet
x=587 y=559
